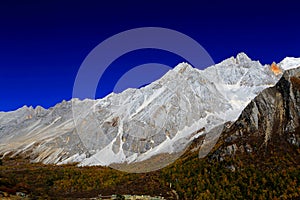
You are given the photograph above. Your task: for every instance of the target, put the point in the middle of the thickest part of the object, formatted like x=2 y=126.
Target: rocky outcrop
x=270 y=122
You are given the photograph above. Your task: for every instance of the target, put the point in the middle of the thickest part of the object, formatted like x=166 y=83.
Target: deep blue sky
x=43 y=43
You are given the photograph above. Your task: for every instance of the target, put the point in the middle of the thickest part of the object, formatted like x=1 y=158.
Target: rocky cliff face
x=271 y=122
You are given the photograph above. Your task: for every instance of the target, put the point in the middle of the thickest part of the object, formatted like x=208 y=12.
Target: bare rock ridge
x=137 y=124
x=270 y=122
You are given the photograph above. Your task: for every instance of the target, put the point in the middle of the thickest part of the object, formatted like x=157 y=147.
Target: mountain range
x=232 y=101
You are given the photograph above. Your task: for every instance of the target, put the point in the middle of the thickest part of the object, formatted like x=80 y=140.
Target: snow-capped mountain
x=137 y=124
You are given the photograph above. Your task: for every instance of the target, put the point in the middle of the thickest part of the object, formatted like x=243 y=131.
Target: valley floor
x=277 y=177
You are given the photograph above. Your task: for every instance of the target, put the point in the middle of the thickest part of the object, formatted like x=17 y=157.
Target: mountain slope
x=256 y=157
x=271 y=121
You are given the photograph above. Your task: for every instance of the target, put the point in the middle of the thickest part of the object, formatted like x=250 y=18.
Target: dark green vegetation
x=272 y=175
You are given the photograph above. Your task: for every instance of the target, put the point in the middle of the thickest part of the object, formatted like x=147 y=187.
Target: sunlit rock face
x=137 y=124
x=275 y=69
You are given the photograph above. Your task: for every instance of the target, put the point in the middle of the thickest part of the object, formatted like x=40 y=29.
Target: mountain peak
x=289 y=63
x=182 y=67
x=242 y=58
